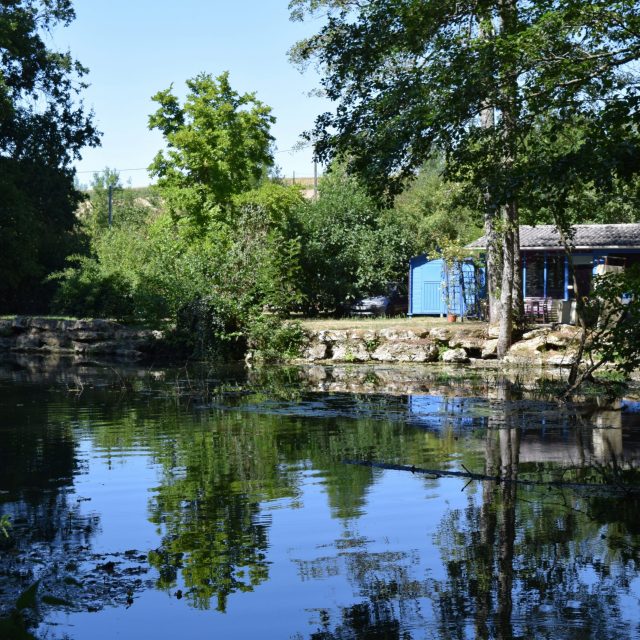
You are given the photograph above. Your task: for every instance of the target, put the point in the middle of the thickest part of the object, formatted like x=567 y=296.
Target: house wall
x=540 y=271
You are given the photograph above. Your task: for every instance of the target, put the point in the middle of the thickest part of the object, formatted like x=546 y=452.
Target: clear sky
x=134 y=48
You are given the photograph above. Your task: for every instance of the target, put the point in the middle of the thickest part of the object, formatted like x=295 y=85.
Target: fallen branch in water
x=482 y=477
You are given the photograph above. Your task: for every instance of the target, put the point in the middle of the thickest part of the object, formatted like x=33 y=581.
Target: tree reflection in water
x=525 y=562
x=518 y=561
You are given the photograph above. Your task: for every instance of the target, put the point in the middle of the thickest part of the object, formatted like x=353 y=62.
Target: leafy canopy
x=414 y=76
x=218 y=146
x=43 y=127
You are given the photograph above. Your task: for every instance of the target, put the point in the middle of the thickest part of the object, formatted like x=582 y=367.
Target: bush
x=274 y=340
x=85 y=290
x=211 y=328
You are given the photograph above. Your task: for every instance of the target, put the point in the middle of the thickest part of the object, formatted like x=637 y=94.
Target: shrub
x=274 y=340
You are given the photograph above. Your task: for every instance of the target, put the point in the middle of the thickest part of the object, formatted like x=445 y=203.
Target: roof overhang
x=586 y=248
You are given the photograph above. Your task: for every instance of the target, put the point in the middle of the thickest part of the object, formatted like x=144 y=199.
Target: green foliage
x=268 y=246
x=210 y=282
x=5 y=525
x=351 y=248
x=218 y=146
x=211 y=327
x=275 y=341
x=130 y=207
x=86 y=290
x=610 y=329
x=438 y=212
x=398 y=102
x=614 y=309
x=42 y=130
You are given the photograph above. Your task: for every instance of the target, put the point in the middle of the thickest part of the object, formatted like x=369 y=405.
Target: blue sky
x=135 y=48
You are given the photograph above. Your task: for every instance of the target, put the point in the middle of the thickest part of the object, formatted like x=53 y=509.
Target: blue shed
x=432 y=284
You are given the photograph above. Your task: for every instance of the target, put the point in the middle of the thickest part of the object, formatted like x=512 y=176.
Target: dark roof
x=587 y=236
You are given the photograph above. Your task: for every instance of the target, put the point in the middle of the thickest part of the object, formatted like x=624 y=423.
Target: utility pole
x=110 y=205
x=315 y=180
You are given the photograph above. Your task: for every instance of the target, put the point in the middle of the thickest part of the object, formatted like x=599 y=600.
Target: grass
x=418 y=323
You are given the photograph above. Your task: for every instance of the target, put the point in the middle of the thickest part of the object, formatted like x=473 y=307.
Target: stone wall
x=546 y=345
x=24 y=334
x=459 y=345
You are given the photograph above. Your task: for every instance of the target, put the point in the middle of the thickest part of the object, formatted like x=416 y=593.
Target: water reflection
x=241 y=496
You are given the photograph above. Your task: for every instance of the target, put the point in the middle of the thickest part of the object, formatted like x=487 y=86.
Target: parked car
x=392 y=304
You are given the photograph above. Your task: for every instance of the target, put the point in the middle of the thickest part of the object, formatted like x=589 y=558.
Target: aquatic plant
x=5 y=525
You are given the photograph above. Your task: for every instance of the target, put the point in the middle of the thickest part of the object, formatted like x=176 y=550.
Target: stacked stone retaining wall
x=551 y=345
x=24 y=334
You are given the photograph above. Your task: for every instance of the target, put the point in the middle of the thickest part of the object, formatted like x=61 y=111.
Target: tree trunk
x=508 y=100
x=518 y=295
x=494 y=246
x=510 y=221
x=510 y=450
x=494 y=266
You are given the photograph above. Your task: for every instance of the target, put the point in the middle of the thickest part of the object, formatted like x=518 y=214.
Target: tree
x=43 y=127
x=471 y=80
x=130 y=207
x=437 y=211
x=350 y=247
x=218 y=145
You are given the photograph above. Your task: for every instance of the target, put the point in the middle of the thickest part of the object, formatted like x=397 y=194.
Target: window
x=534 y=283
x=535 y=279
x=555 y=276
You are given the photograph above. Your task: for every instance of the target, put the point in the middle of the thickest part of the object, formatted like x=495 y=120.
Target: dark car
x=392 y=304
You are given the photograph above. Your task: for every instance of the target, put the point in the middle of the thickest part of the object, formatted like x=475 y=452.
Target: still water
x=174 y=503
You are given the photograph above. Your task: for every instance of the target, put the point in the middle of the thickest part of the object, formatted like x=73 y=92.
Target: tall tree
x=414 y=76
x=218 y=145
x=43 y=127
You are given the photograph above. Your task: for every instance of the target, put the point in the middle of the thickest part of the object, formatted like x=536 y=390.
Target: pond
x=172 y=503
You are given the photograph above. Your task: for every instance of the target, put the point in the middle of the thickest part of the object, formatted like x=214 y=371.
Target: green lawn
x=421 y=322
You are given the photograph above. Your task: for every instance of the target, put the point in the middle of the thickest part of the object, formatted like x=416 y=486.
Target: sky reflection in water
x=235 y=516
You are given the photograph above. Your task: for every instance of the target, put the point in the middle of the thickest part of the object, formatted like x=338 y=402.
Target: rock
x=440 y=334
x=401 y=334
x=535 y=333
x=490 y=349
x=402 y=351
x=528 y=346
x=315 y=351
x=561 y=359
x=28 y=341
x=455 y=356
x=354 y=351
x=45 y=324
x=56 y=341
x=316 y=374
x=6 y=327
x=470 y=344
x=91 y=336
x=529 y=359
x=358 y=334
x=560 y=340
x=332 y=335
x=21 y=323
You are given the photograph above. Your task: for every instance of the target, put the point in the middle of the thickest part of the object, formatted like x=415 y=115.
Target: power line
x=118 y=170
x=291 y=150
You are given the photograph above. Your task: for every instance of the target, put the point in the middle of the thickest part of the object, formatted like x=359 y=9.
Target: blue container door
x=426 y=287
x=432 y=297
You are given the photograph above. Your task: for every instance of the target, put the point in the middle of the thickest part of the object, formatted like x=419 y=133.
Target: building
x=438 y=289
x=546 y=280
x=548 y=290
